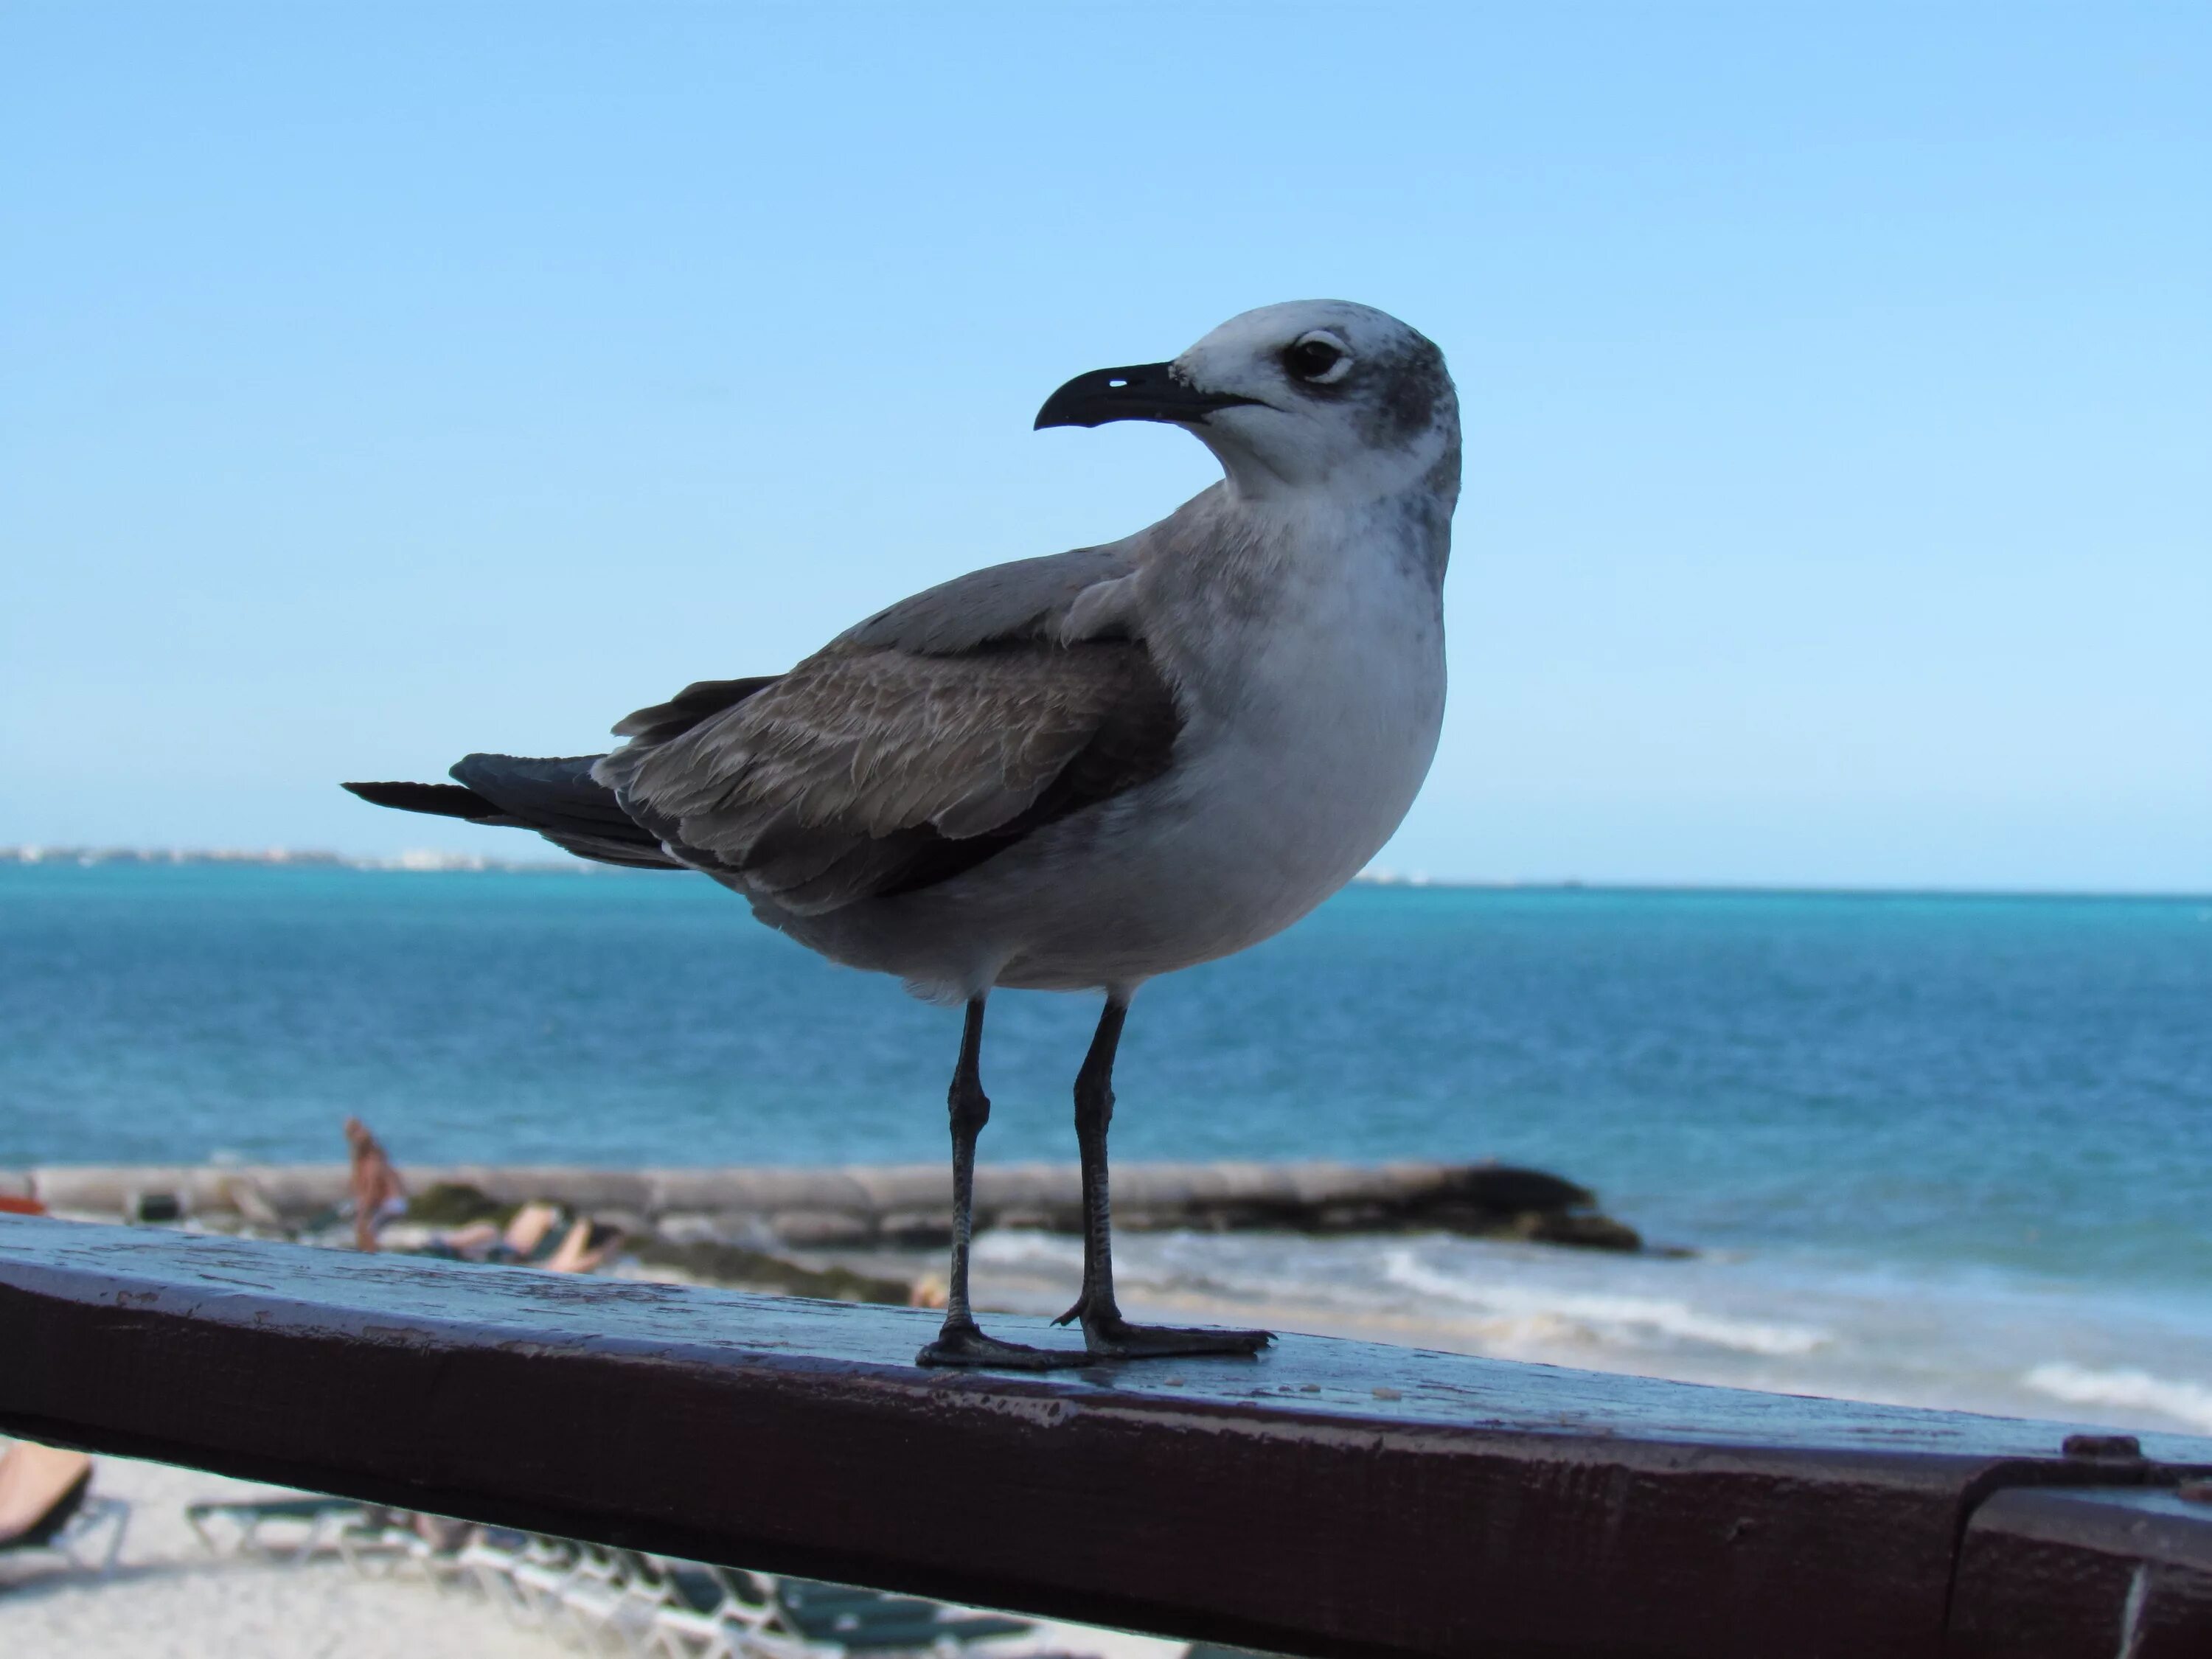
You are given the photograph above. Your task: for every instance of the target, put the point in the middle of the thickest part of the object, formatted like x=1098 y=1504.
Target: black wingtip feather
x=556 y=798
x=445 y=800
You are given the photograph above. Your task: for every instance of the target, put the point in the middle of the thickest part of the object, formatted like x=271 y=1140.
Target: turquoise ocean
x=1936 y=1149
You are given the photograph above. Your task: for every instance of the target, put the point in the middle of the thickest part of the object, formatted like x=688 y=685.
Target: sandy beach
x=171 y=1598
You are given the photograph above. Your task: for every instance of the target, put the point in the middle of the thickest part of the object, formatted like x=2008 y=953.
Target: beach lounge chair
x=853 y=1620
x=46 y=1504
x=539 y=1574
x=760 y=1616
x=705 y=1612
x=607 y=1598
x=608 y=1603
x=722 y=1612
x=293 y=1528
x=488 y=1559
x=381 y=1543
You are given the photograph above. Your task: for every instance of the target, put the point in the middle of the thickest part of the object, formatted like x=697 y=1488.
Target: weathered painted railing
x=1328 y=1498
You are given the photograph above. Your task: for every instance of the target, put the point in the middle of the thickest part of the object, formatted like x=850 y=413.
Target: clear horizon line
x=422 y=862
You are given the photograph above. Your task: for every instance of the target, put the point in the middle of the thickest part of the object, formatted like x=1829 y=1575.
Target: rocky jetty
x=861 y=1207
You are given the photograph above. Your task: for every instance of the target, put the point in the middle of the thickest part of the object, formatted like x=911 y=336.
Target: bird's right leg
x=1105 y=1332
x=961 y=1341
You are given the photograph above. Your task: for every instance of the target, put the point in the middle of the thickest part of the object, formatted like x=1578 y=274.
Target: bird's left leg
x=1105 y=1332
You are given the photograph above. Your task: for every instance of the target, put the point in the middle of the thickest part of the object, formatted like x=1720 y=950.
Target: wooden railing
x=1328 y=1498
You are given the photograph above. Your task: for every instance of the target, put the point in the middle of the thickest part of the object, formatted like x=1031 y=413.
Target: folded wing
x=934 y=735
x=871 y=770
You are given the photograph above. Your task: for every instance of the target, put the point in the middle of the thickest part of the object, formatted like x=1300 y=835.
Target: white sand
x=169 y=1599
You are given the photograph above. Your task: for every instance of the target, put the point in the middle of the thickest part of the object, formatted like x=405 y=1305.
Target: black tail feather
x=556 y=797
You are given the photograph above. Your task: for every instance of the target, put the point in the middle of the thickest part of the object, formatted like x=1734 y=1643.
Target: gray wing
x=913 y=747
x=1002 y=602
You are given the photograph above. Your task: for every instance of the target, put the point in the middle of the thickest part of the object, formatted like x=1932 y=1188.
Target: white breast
x=1308 y=766
x=1314 y=690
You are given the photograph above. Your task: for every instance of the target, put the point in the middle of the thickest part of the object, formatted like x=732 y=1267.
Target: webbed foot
x=967 y=1345
x=1161 y=1341
x=1109 y=1336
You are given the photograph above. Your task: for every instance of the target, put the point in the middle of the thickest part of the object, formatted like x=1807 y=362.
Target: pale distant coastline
x=423 y=860
x=418 y=859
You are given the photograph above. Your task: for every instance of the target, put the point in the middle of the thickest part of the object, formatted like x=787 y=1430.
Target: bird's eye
x=1318 y=358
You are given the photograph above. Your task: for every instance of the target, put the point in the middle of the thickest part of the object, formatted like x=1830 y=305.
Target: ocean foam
x=2078 y=1385
x=1009 y=1247
x=1621 y=1320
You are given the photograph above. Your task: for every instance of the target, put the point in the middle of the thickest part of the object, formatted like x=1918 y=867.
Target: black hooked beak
x=1143 y=391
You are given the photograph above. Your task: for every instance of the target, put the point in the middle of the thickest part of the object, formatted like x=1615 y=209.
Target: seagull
x=1079 y=772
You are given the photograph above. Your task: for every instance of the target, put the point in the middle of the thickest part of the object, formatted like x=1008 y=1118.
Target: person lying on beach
x=587 y=1245
x=379 y=1194
x=535 y=1236
x=527 y=1237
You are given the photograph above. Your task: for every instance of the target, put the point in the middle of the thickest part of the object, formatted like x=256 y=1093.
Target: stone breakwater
x=863 y=1207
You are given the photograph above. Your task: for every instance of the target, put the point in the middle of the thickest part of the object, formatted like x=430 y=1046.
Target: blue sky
x=379 y=382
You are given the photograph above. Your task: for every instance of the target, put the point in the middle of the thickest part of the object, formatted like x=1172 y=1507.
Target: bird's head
x=1313 y=394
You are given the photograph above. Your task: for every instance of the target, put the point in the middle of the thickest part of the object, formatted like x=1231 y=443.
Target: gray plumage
x=1023 y=599
x=843 y=779
x=1086 y=770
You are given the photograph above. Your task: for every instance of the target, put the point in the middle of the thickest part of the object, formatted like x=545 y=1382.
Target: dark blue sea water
x=2008 y=1092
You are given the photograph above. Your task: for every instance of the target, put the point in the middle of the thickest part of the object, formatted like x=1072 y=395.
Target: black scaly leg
x=961 y=1342
x=1105 y=1332
x=971 y=1110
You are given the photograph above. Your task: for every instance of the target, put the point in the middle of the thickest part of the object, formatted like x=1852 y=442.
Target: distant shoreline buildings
x=417 y=860
x=427 y=861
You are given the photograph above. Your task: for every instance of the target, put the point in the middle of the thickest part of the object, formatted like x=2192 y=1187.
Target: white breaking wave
x=1019 y=1247
x=1615 y=1318
x=2078 y=1385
